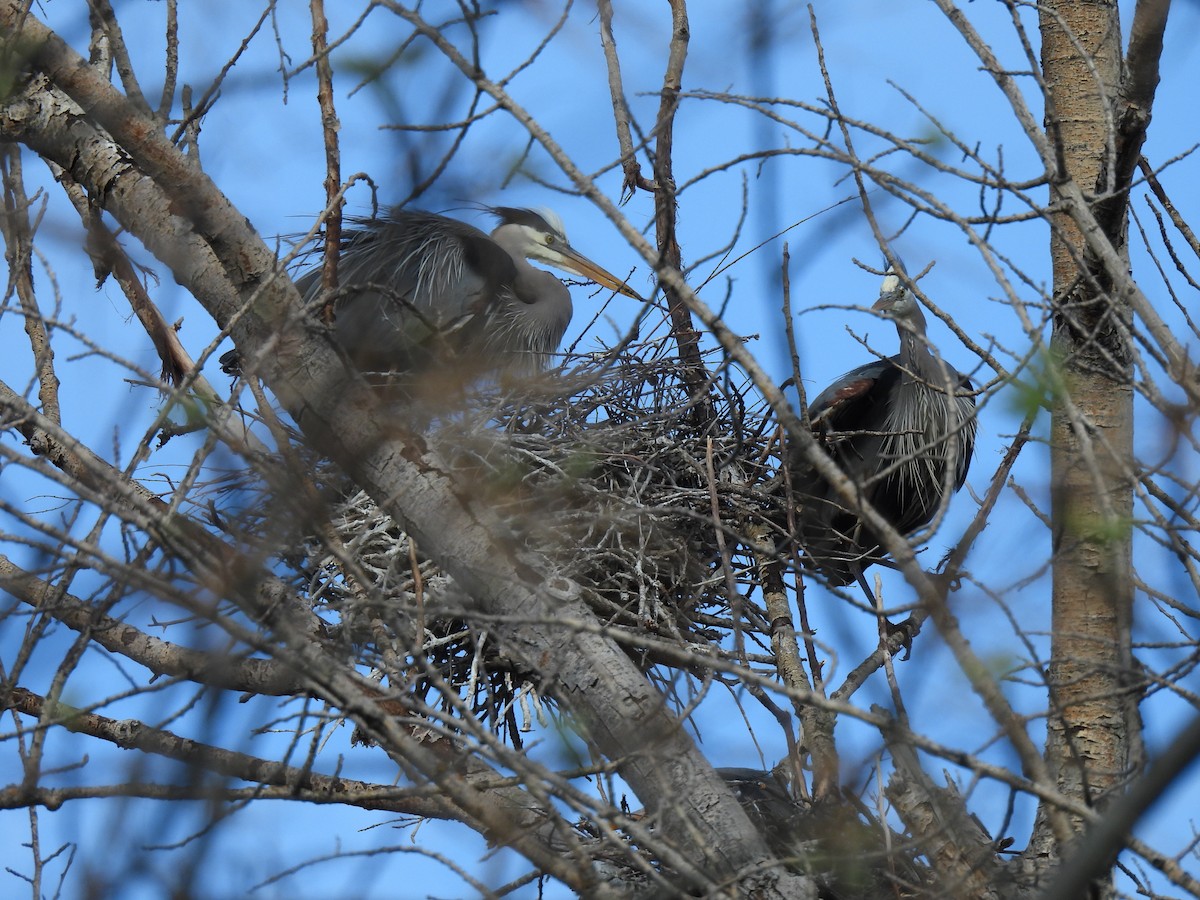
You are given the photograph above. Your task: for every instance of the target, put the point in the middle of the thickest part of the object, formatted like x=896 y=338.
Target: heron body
x=902 y=429
x=428 y=296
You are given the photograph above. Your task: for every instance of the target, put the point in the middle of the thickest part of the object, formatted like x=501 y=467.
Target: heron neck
x=545 y=304
x=916 y=360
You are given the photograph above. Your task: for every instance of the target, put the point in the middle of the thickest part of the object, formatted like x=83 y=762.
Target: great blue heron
x=427 y=295
x=902 y=429
x=847 y=856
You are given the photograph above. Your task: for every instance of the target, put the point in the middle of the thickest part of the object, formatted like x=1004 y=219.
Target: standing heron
x=902 y=429
x=425 y=295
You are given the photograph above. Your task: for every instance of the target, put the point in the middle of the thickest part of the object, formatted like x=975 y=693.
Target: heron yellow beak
x=574 y=261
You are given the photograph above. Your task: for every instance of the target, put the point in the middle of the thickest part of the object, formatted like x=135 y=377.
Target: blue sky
x=267 y=156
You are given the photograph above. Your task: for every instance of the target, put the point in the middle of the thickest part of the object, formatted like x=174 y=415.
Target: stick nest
x=651 y=500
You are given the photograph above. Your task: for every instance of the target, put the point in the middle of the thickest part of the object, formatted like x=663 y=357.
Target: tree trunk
x=1090 y=723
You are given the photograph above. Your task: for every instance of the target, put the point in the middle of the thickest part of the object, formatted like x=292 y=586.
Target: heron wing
x=413 y=287
x=865 y=420
x=857 y=384
x=847 y=417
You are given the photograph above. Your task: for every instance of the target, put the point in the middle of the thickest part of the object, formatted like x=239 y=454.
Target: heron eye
x=551 y=240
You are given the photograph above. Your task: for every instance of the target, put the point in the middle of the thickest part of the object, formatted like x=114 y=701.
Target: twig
x=629 y=161
x=333 y=168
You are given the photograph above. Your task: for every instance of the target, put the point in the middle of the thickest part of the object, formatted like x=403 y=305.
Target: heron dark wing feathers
x=854 y=420
x=414 y=287
x=850 y=386
x=438 y=266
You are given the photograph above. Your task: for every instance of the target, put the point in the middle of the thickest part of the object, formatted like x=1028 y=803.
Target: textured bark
x=1090 y=725
x=959 y=849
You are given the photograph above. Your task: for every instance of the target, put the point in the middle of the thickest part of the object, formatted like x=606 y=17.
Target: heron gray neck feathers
x=918 y=363
x=915 y=358
x=546 y=299
x=531 y=318
x=927 y=428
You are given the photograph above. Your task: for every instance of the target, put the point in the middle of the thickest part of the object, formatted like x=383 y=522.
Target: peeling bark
x=1092 y=716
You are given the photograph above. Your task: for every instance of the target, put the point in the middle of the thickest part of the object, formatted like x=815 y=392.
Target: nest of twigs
x=610 y=469
x=665 y=504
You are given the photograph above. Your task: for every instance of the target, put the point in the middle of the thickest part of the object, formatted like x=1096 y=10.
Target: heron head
x=896 y=301
x=539 y=234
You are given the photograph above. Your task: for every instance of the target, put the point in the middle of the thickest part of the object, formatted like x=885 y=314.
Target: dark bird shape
x=848 y=856
x=766 y=799
x=902 y=429
x=423 y=294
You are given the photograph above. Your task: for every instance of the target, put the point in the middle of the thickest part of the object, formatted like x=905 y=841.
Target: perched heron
x=902 y=429
x=423 y=294
x=849 y=857
x=766 y=799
